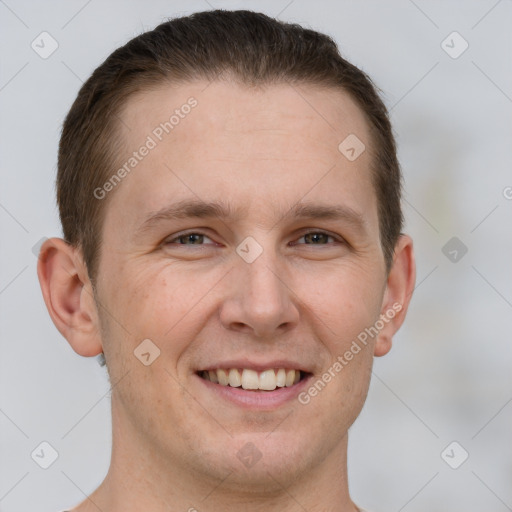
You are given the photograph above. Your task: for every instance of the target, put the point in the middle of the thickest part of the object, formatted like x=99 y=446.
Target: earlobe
x=398 y=293
x=67 y=293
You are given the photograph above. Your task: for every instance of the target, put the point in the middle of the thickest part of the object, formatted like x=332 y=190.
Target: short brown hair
x=252 y=48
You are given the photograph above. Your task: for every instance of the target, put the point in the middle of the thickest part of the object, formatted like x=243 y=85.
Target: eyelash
x=182 y=235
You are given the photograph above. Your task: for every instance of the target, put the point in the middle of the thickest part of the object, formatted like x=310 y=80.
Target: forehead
x=275 y=144
x=227 y=109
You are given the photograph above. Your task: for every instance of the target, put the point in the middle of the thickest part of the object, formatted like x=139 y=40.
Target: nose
x=260 y=300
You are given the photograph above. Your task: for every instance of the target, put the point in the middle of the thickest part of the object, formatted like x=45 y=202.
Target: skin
x=175 y=443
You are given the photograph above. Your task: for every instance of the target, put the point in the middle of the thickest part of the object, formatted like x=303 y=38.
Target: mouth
x=251 y=380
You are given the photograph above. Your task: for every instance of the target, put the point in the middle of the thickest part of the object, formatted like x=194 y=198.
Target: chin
x=264 y=462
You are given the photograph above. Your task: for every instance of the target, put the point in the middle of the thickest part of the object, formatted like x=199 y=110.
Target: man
x=230 y=200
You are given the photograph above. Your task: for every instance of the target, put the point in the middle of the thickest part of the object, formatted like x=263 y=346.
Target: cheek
x=345 y=298
x=343 y=302
x=164 y=304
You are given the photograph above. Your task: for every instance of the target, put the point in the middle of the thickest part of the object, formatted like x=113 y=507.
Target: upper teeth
x=267 y=380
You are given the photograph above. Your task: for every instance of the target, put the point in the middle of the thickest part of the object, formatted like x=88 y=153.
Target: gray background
x=448 y=375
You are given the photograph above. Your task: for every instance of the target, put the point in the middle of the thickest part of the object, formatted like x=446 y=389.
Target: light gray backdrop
x=447 y=378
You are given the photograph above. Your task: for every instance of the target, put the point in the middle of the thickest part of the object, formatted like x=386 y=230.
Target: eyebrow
x=203 y=210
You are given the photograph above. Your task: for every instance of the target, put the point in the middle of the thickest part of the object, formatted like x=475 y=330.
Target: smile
x=248 y=379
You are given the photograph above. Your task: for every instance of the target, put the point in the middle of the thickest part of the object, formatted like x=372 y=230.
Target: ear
x=68 y=295
x=398 y=293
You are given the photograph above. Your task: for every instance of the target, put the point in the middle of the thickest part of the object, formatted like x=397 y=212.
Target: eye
x=318 y=238
x=191 y=238
x=310 y=238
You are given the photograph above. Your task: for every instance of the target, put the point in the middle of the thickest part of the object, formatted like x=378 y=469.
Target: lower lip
x=256 y=399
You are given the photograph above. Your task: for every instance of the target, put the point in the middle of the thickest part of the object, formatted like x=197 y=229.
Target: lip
x=259 y=400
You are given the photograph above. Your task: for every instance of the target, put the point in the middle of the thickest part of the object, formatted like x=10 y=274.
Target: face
x=243 y=240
